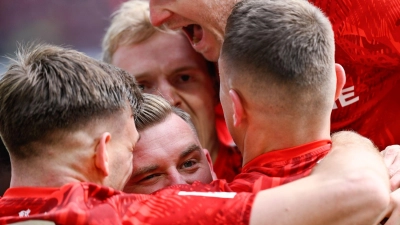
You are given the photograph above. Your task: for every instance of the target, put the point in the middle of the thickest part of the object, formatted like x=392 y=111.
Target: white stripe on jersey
x=208 y=194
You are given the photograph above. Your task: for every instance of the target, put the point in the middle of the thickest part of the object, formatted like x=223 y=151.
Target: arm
x=392 y=161
x=339 y=191
x=394 y=212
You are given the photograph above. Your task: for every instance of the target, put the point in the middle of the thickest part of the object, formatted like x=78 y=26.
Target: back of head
x=130 y=24
x=281 y=51
x=49 y=88
x=155 y=110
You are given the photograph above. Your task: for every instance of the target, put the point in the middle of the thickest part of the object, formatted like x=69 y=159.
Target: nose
x=158 y=14
x=176 y=178
x=168 y=92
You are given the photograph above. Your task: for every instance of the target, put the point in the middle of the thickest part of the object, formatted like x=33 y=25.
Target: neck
x=41 y=172
x=281 y=135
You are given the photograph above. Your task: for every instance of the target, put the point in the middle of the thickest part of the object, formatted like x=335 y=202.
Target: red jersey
x=228 y=163
x=279 y=167
x=367 y=38
x=229 y=159
x=85 y=203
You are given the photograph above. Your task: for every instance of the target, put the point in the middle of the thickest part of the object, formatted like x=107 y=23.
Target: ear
x=340 y=80
x=101 y=160
x=210 y=163
x=238 y=111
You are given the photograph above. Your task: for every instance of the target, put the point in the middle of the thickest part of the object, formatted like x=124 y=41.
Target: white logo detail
x=346 y=99
x=208 y=194
x=24 y=213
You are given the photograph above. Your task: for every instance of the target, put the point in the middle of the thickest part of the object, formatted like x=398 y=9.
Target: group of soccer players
x=70 y=124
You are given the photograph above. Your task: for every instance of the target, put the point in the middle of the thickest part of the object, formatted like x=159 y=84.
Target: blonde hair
x=130 y=24
x=156 y=109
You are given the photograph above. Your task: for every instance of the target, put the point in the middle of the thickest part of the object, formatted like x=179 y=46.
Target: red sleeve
x=84 y=203
x=195 y=204
x=169 y=207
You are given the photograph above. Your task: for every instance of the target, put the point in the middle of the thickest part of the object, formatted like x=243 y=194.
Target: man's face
x=202 y=20
x=123 y=140
x=166 y=65
x=168 y=153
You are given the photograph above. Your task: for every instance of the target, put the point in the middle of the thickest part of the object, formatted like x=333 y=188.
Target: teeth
x=195 y=40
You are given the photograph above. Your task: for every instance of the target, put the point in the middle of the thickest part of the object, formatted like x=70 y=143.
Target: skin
x=209 y=16
x=120 y=148
x=81 y=156
x=228 y=108
x=176 y=14
x=99 y=152
x=158 y=163
x=325 y=197
x=179 y=76
x=247 y=114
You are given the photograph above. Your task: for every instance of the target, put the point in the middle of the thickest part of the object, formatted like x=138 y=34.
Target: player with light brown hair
x=169 y=151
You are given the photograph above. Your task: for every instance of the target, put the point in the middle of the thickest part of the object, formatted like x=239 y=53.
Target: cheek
x=128 y=157
x=203 y=175
x=128 y=164
x=202 y=93
x=202 y=102
x=140 y=189
x=130 y=170
x=145 y=188
x=152 y=188
x=226 y=107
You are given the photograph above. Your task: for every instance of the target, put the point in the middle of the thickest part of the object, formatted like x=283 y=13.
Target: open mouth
x=194 y=33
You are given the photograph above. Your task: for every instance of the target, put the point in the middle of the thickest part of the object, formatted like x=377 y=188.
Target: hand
x=391 y=157
x=393 y=217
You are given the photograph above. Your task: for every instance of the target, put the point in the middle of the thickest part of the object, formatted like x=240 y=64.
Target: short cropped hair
x=289 y=43
x=130 y=24
x=155 y=110
x=48 y=88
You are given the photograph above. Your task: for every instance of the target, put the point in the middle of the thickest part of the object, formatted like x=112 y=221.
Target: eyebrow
x=140 y=75
x=151 y=168
x=143 y=170
x=178 y=70
x=189 y=150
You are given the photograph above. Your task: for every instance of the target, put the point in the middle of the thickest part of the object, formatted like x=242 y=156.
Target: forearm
x=344 y=189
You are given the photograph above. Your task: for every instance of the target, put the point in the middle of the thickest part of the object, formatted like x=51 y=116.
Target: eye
x=150 y=177
x=185 y=77
x=141 y=87
x=146 y=87
x=188 y=164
